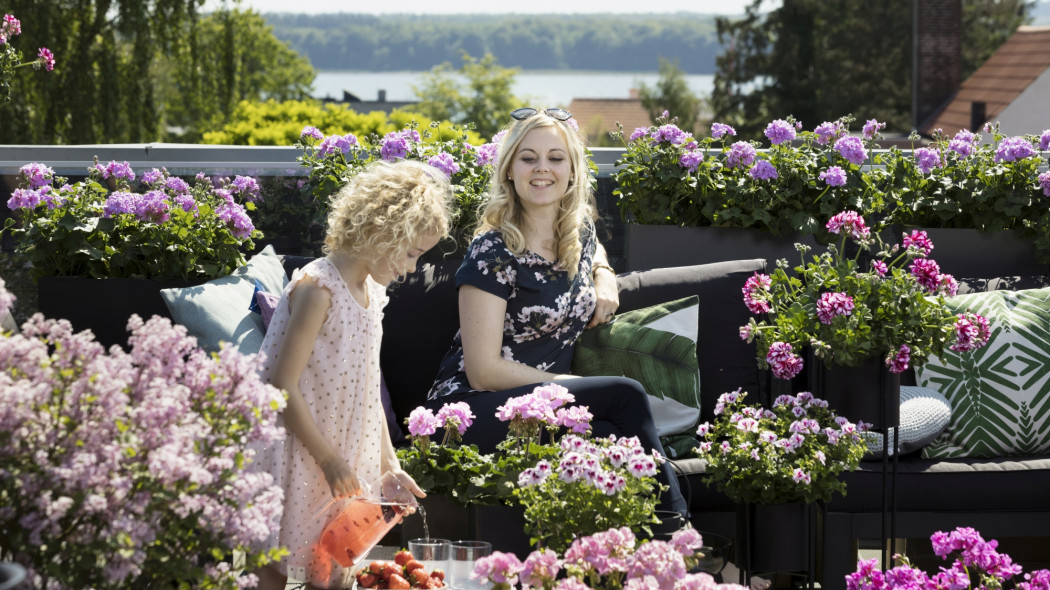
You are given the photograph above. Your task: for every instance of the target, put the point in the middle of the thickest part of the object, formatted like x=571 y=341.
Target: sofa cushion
x=1000 y=394
x=1012 y=283
x=220 y=310
x=924 y=414
x=726 y=362
x=656 y=346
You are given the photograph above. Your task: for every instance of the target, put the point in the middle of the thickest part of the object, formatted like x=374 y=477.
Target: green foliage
x=245 y=63
x=986 y=25
x=672 y=95
x=799 y=58
x=127 y=70
x=400 y=42
x=483 y=99
x=99 y=228
x=749 y=457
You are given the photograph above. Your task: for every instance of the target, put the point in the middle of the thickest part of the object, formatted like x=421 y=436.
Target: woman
x=534 y=277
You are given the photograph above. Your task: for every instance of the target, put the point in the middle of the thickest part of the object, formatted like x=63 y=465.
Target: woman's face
x=541 y=168
x=386 y=270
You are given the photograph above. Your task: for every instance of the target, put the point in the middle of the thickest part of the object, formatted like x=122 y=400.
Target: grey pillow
x=924 y=415
x=220 y=310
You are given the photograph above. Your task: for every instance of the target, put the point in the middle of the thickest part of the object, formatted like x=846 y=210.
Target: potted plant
x=331 y=161
x=667 y=177
x=780 y=458
x=160 y=232
x=561 y=487
x=131 y=469
x=882 y=306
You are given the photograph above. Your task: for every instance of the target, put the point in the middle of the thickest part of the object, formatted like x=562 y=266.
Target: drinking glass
x=464 y=554
x=432 y=553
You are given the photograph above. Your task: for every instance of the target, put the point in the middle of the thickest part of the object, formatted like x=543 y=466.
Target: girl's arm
x=309 y=304
x=390 y=462
x=481 y=328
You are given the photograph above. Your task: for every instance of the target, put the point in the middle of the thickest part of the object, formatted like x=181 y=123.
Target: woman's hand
x=607 y=294
x=341 y=479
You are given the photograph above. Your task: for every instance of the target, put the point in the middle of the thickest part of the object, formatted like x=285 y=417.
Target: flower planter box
x=103 y=305
x=967 y=253
x=661 y=246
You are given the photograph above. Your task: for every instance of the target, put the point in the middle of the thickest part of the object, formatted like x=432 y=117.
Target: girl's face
x=386 y=270
x=541 y=168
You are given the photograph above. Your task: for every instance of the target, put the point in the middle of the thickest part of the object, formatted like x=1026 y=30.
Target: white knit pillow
x=924 y=414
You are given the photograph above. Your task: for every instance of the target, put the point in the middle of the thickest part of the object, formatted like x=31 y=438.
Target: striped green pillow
x=1000 y=394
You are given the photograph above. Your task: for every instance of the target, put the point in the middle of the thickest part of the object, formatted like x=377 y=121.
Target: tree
x=818 y=61
x=122 y=64
x=672 y=94
x=252 y=65
x=987 y=25
x=483 y=97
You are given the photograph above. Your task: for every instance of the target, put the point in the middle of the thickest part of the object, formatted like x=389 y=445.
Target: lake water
x=548 y=88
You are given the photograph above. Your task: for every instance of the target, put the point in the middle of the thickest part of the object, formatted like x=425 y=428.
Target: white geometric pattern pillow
x=1000 y=394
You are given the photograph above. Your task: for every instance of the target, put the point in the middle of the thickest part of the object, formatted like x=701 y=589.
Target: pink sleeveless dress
x=341 y=386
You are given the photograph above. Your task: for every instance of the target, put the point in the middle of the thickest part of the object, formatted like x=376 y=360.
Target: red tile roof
x=598 y=116
x=1000 y=80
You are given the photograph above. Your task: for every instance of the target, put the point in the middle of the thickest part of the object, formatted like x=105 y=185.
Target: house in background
x=1012 y=87
x=597 y=117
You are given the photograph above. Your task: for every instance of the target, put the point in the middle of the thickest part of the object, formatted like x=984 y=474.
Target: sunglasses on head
x=556 y=114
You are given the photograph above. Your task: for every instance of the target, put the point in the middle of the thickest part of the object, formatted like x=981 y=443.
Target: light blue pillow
x=924 y=413
x=219 y=310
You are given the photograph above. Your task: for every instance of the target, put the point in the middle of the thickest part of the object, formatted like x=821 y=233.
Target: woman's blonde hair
x=502 y=208
x=387 y=207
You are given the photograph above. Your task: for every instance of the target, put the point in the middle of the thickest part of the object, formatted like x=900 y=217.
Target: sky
x=489 y=6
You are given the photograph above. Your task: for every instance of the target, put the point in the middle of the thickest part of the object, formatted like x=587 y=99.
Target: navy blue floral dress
x=545 y=311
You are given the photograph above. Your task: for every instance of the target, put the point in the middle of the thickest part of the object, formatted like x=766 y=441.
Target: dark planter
x=103 y=305
x=966 y=253
x=445 y=519
x=504 y=527
x=869 y=392
x=661 y=246
x=780 y=538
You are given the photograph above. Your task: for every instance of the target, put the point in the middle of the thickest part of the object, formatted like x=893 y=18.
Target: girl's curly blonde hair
x=502 y=209
x=387 y=207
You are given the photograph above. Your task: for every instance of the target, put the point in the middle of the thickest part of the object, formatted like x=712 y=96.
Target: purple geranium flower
x=720 y=130
x=872 y=128
x=46 y=58
x=1044 y=140
x=1012 y=149
x=852 y=149
x=236 y=218
x=927 y=159
x=834 y=176
x=311 y=131
x=37 y=174
x=119 y=202
x=1044 y=183
x=445 y=163
x=763 y=170
x=177 y=185
x=247 y=187
x=691 y=160
x=741 y=154
x=828 y=132
x=780 y=131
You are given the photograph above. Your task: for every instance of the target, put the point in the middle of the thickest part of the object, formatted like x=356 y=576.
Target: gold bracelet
x=601 y=265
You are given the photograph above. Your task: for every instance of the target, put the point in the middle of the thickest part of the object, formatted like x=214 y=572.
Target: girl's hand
x=341 y=479
x=409 y=483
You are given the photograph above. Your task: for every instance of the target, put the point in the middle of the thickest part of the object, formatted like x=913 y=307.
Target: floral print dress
x=546 y=311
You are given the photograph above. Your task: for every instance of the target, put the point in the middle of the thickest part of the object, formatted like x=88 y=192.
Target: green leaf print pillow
x=1000 y=394
x=657 y=347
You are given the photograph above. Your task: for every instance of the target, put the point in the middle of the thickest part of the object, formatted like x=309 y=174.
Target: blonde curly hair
x=502 y=208
x=387 y=207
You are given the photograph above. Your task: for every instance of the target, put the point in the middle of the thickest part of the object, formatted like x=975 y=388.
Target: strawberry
x=402 y=557
x=376 y=567
x=366 y=579
x=418 y=577
x=390 y=568
x=436 y=582
x=398 y=582
x=438 y=573
x=412 y=565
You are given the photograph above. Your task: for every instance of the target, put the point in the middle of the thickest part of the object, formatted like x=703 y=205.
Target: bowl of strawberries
x=405 y=571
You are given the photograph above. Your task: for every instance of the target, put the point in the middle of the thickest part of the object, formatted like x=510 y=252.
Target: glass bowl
x=715 y=551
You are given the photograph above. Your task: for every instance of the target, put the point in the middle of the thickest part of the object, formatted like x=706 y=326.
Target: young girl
x=322 y=348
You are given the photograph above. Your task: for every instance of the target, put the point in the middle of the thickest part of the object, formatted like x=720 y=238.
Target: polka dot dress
x=341 y=386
